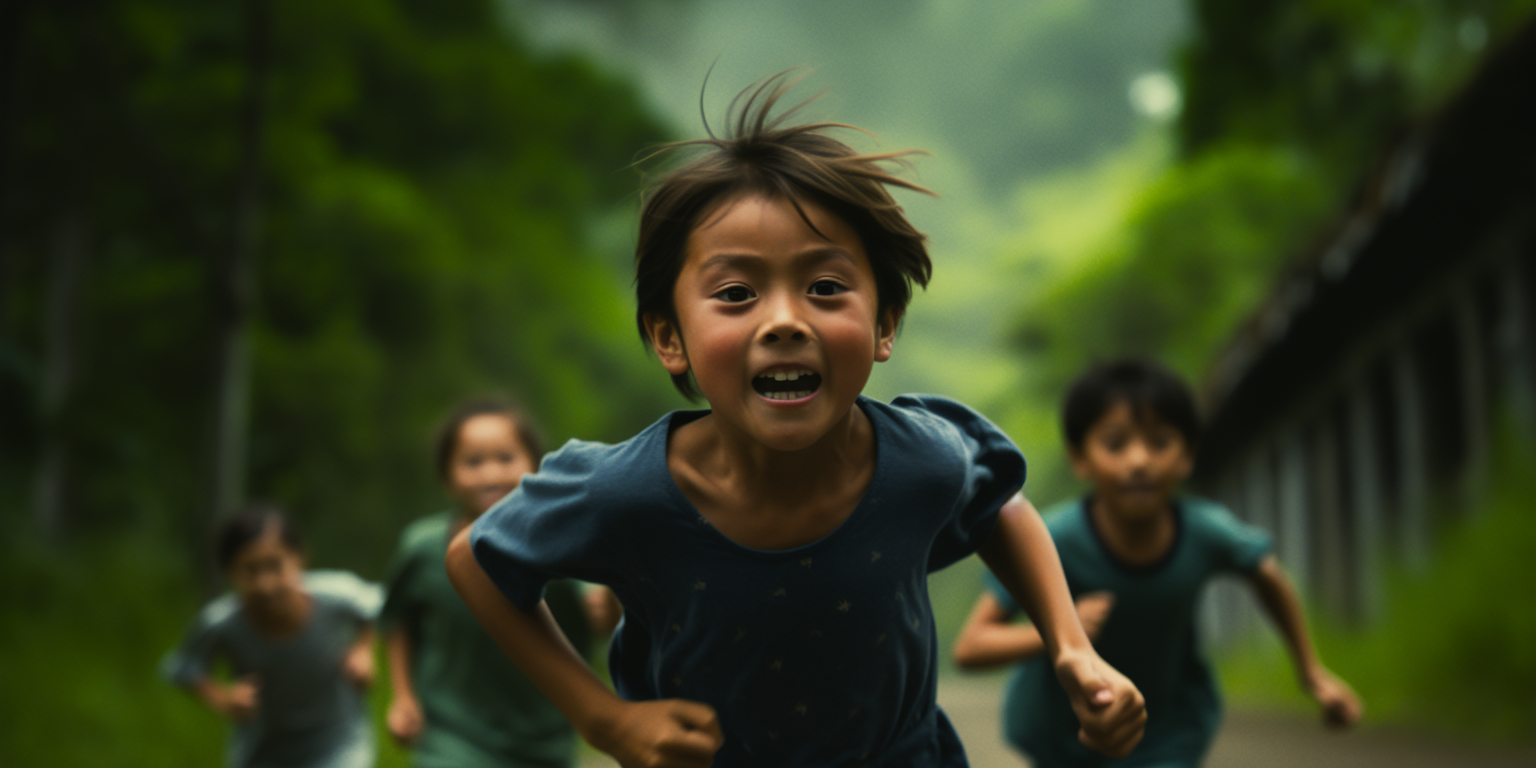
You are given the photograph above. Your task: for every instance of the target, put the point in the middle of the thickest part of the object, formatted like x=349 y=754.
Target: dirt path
x=1248 y=740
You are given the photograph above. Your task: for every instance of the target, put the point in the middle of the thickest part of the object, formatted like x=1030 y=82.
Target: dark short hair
x=1150 y=389
x=797 y=163
x=248 y=524
x=447 y=440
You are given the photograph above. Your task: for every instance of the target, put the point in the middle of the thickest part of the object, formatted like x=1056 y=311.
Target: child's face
x=267 y=573
x=488 y=462
x=779 y=324
x=1135 y=466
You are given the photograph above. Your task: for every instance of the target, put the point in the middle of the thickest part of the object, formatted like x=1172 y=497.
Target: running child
x=298 y=647
x=772 y=553
x=457 y=700
x=1137 y=554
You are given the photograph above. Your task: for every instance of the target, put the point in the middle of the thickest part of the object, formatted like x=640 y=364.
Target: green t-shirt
x=480 y=710
x=1149 y=636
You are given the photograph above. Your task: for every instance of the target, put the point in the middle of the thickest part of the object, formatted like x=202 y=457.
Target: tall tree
x=235 y=273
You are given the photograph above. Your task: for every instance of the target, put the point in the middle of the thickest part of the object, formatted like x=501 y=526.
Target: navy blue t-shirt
x=823 y=654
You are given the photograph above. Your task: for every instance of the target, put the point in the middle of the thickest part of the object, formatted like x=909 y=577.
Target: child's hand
x=671 y=733
x=404 y=719
x=1110 y=711
x=240 y=699
x=1341 y=707
x=1092 y=610
x=358 y=664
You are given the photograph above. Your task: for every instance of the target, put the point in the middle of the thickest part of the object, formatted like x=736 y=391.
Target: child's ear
x=1079 y=463
x=668 y=343
x=1186 y=465
x=885 y=333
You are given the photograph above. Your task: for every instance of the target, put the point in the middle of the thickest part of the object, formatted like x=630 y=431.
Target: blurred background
x=258 y=249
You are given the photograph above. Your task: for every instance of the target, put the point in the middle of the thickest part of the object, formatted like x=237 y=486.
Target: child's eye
x=827 y=288
x=734 y=294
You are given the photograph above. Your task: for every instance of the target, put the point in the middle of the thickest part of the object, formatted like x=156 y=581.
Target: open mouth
x=787 y=384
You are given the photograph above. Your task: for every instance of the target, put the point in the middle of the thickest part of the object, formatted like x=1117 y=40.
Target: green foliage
x=1200 y=245
x=1335 y=78
x=82 y=633
x=427 y=189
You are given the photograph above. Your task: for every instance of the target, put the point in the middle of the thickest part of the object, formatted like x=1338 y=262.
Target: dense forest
x=268 y=245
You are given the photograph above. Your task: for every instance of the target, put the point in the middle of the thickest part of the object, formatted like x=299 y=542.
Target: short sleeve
x=357 y=596
x=992 y=470
x=398 y=605
x=552 y=526
x=190 y=662
x=1236 y=546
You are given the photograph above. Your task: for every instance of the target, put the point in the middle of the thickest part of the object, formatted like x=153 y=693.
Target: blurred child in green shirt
x=458 y=701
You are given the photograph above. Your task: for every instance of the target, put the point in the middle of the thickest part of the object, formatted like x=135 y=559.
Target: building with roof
x=1355 y=413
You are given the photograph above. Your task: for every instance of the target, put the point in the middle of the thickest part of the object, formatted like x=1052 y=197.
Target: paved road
x=1248 y=740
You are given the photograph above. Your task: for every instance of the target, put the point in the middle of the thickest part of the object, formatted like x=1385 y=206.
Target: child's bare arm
x=235 y=701
x=671 y=732
x=404 y=719
x=603 y=610
x=1020 y=553
x=991 y=637
x=1341 y=707
x=358 y=663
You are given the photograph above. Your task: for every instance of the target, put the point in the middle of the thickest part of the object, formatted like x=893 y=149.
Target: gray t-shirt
x=309 y=715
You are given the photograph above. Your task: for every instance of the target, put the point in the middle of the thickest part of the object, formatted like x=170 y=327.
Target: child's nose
x=784 y=321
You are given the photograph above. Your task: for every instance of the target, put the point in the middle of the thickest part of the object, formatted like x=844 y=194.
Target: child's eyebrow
x=745 y=261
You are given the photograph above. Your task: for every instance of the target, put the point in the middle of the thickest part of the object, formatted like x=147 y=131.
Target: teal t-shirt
x=480 y=709
x=1149 y=636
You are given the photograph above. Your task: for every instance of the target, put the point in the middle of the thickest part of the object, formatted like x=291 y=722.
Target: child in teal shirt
x=1136 y=555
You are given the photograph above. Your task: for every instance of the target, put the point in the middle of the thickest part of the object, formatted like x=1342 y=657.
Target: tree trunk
x=234 y=277
x=57 y=383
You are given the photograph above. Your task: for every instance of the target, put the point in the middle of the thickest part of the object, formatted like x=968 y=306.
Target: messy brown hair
x=801 y=163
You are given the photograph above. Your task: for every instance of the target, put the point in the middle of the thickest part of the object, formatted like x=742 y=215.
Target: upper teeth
x=787 y=375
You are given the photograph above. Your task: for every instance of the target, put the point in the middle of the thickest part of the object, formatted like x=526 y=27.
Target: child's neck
x=770 y=499
x=284 y=619
x=462 y=520
x=1135 y=538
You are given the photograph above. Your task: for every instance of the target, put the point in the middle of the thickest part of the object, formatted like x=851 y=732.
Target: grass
x=1455 y=648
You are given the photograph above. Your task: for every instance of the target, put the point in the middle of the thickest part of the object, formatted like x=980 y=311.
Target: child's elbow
x=967 y=657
